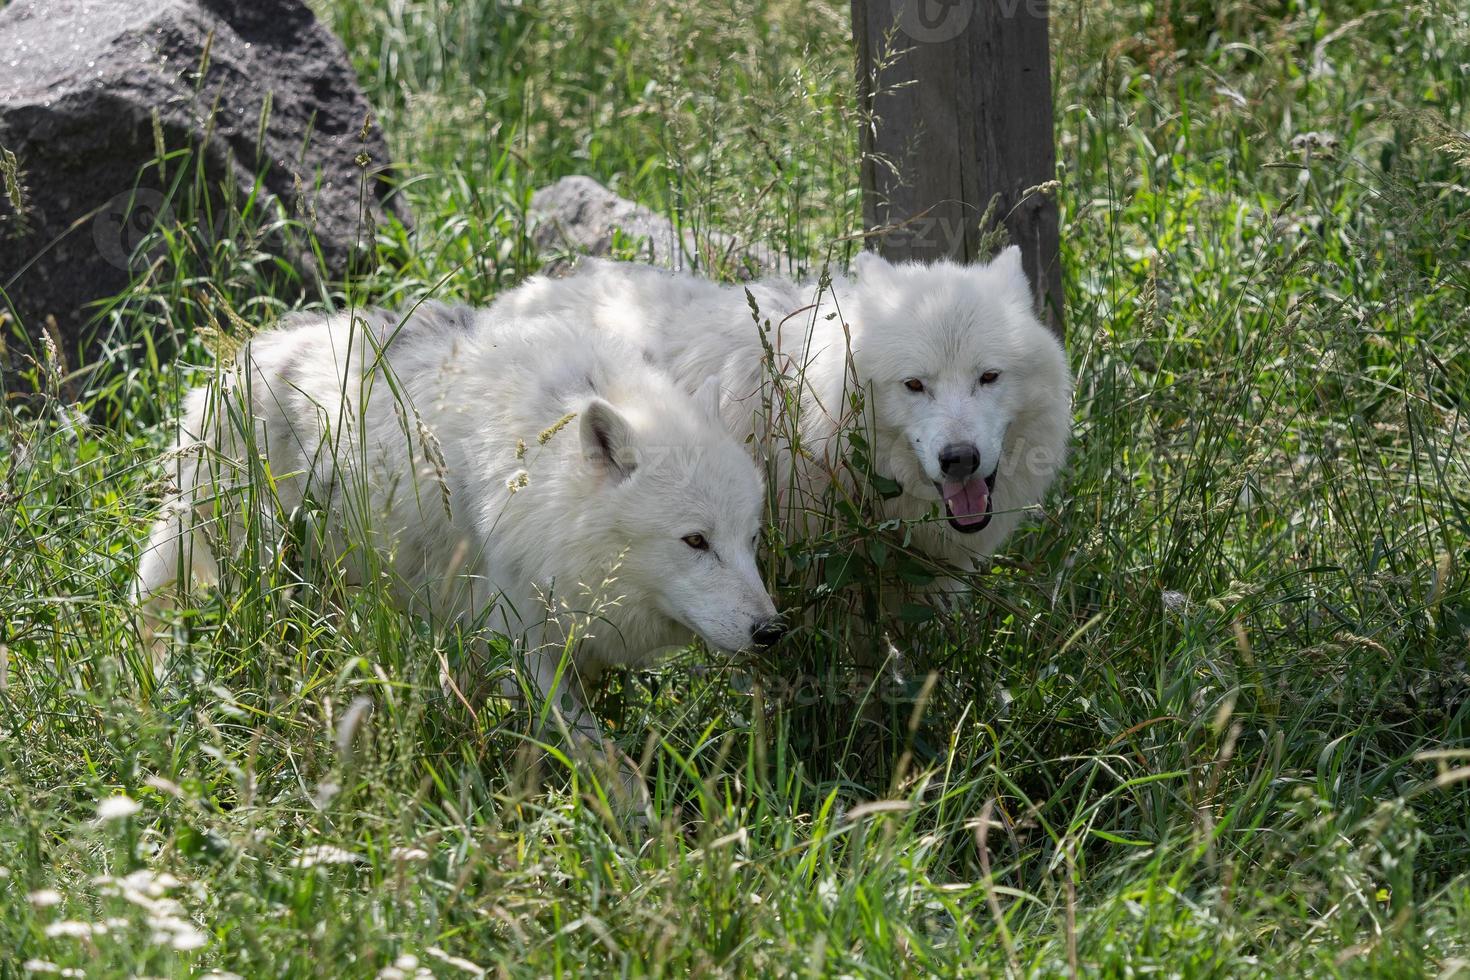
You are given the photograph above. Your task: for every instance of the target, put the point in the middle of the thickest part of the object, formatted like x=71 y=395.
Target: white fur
x=378 y=418
x=944 y=323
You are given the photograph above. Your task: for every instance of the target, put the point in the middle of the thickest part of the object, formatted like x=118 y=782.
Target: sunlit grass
x=1206 y=716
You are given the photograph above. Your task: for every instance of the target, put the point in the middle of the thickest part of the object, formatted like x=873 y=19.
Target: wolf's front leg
x=560 y=701
x=176 y=555
x=554 y=688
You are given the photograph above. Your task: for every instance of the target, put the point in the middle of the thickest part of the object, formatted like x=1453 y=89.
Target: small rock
x=580 y=216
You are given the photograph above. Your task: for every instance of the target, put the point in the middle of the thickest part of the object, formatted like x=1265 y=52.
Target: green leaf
x=1116 y=839
x=886 y=488
x=840 y=570
x=913 y=573
x=913 y=612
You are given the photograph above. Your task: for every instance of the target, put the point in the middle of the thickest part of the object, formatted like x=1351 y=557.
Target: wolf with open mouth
x=965 y=393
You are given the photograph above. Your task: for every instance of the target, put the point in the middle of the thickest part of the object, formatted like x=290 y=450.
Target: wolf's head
x=685 y=503
x=969 y=390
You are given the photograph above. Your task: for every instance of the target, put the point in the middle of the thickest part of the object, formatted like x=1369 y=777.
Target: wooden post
x=957 y=112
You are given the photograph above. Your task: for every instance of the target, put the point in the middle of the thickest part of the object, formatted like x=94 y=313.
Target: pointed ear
x=708 y=397
x=871 y=267
x=608 y=439
x=1008 y=268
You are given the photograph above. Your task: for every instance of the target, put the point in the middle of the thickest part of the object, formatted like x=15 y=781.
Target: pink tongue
x=966 y=501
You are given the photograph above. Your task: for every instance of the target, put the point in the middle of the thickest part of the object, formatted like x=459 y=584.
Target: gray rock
x=579 y=216
x=88 y=88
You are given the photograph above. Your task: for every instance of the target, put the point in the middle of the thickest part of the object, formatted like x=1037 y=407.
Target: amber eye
x=696 y=541
x=914 y=385
x=989 y=377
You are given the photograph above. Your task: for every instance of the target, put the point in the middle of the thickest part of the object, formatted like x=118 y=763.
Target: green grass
x=1206 y=717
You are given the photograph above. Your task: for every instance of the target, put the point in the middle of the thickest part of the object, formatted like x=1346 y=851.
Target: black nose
x=959 y=460
x=767 y=632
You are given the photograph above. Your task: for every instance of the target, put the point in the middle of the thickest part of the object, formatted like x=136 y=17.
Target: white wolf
x=967 y=393
x=497 y=470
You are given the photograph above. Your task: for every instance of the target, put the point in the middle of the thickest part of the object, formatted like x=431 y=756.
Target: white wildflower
x=177 y=933
x=324 y=854
x=76 y=930
x=408 y=854
x=407 y=965
x=150 y=884
x=45 y=898
x=40 y=966
x=827 y=892
x=144 y=889
x=455 y=961
x=163 y=907
x=116 y=808
x=1307 y=142
x=188 y=939
x=164 y=786
x=168 y=921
